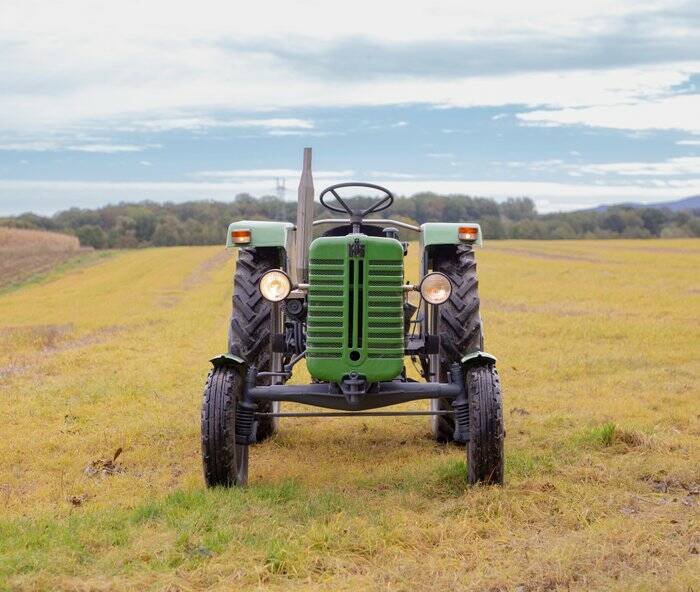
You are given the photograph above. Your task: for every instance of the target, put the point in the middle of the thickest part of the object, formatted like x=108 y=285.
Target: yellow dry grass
x=598 y=348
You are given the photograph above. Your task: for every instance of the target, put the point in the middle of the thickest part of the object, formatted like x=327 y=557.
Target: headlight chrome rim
x=445 y=284
x=272 y=294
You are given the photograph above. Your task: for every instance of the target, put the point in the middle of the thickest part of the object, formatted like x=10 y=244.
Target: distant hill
x=680 y=205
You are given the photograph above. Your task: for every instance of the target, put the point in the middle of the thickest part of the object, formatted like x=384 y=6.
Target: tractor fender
x=477 y=358
x=445 y=233
x=229 y=359
x=263 y=233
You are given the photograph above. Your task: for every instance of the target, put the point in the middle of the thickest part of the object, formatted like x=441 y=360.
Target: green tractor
x=341 y=302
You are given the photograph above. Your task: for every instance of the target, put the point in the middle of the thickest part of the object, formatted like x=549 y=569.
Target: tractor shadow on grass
x=370 y=456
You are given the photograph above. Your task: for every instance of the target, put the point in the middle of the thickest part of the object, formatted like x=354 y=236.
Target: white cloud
x=268 y=173
x=684 y=165
x=376 y=19
x=274 y=123
x=688 y=142
x=532 y=165
x=391 y=175
x=62 y=145
x=315 y=134
x=110 y=148
x=202 y=122
x=86 y=62
x=687 y=165
x=29 y=146
x=670 y=112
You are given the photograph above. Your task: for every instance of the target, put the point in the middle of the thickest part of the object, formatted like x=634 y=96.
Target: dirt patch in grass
x=659 y=249
x=43 y=336
x=53 y=338
x=200 y=274
x=45 y=340
x=554 y=308
x=198 y=277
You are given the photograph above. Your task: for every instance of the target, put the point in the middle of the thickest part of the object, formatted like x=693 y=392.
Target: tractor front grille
x=355 y=314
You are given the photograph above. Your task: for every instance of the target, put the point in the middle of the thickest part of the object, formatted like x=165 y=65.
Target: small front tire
x=225 y=462
x=486 y=431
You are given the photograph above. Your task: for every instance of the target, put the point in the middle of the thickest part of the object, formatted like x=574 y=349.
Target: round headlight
x=435 y=288
x=275 y=285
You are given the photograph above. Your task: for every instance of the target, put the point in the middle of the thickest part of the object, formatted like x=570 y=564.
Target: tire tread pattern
x=219 y=452
x=249 y=332
x=460 y=321
x=486 y=431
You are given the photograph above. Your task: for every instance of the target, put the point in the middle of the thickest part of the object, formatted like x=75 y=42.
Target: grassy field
x=598 y=347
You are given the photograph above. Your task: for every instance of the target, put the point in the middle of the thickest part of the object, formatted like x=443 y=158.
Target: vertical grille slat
x=360 y=287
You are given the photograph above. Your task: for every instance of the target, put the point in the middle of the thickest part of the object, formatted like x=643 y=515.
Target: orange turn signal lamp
x=468 y=233
x=240 y=237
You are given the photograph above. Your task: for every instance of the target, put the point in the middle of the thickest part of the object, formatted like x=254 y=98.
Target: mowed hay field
x=598 y=347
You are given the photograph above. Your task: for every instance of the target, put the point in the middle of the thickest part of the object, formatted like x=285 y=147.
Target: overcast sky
x=573 y=104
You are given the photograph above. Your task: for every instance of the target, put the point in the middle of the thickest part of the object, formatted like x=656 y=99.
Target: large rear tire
x=486 y=431
x=225 y=462
x=460 y=324
x=249 y=333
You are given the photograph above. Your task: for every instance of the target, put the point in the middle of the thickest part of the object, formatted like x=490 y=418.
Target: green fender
x=446 y=233
x=228 y=359
x=478 y=358
x=263 y=234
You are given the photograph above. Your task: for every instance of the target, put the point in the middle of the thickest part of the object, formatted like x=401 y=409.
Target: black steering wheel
x=356 y=216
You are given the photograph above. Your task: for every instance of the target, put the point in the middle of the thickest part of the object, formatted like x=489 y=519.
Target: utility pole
x=281 y=190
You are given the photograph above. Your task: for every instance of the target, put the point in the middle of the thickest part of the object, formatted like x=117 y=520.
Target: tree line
x=145 y=224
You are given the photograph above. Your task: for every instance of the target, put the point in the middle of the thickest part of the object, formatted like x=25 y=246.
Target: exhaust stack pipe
x=305 y=215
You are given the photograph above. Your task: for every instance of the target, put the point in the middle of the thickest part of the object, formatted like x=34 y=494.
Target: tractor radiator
x=355 y=316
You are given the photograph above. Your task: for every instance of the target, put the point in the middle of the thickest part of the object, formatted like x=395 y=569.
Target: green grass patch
x=197 y=524
x=451 y=477
x=601 y=436
x=521 y=464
